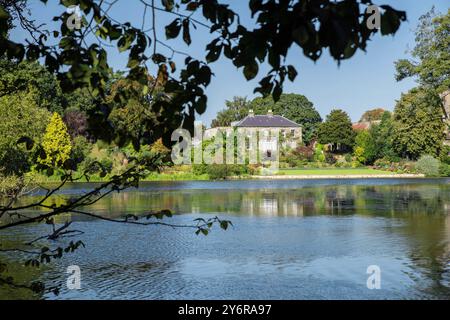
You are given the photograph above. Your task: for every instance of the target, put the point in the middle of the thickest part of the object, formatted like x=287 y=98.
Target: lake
x=292 y=239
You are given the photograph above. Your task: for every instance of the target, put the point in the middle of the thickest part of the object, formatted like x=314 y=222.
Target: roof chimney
x=270 y=113
x=251 y=113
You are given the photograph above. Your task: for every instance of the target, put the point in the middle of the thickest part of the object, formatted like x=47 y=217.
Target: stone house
x=290 y=133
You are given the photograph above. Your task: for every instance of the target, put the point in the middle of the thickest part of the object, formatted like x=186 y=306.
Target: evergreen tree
x=56 y=143
x=337 y=130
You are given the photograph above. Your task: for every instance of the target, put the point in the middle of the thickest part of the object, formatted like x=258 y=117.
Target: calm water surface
x=310 y=239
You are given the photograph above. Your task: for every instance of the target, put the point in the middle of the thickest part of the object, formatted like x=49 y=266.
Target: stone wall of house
x=293 y=137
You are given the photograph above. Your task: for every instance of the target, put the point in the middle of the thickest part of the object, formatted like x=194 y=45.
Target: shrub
x=398 y=166
x=382 y=163
x=444 y=170
x=303 y=153
x=356 y=164
x=221 y=171
x=107 y=164
x=329 y=158
x=348 y=157
x=296 y=163
x=80 y=149
x=217 y=171
x=318 y=153
x=342 y=163
x=359 y=154
x=9 y=185
x=428 y=165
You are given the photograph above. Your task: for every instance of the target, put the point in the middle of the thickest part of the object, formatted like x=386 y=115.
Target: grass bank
x=154 y=176
x=334 y=171
x=282 y=174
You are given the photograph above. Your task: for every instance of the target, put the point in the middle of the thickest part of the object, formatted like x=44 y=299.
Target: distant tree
x=76 y=122
x=372 y=115
x=56 y=143
x=236 y=110
x=337 y=130
x=81 y=149
x=295 y=107
x=134 y=119
x=81 y=59
x=80 y=99
x=418 y=128
x=26 y=76
x=21 y=117
x=381 y=134
x=431 y=54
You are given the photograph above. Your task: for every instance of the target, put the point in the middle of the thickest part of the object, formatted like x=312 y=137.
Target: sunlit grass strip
x=334 y=171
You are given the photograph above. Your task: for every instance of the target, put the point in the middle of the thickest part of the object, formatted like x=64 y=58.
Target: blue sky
x=364 y=82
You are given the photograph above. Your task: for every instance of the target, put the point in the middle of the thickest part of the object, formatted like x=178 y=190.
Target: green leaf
x=186 y=32
x=391 y=20
x=29 y=143
x=300 y=35
x=251 y=70
x=224 y=224
x=173 y=29
x=292 y=73
x=200 y=106
x=168 y=4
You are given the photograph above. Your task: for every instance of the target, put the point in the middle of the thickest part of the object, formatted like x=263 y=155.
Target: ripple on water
x=291 y=240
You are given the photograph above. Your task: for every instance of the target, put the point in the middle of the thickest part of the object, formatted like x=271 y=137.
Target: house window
x=292 y=133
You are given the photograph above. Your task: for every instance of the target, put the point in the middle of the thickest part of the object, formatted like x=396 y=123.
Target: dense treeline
x=415 y=130
x=42 y=127
x=53 y=127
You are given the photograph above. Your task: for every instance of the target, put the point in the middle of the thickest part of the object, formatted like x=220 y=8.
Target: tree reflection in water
x=416 y=215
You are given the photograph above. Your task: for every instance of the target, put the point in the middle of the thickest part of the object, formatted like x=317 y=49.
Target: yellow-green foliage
x=20 y=117
x=56 y=142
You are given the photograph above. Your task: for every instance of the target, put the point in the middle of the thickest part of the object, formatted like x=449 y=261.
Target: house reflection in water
x=272 y=204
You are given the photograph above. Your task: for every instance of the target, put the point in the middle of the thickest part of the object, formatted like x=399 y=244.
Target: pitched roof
x=365 y=125
x=361 y=126
x=273 y=121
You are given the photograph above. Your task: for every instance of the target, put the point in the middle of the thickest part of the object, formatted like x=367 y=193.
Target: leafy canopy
x=21 y=117
x=80 y=58
x=24 y=76
x=337 y=130
x=430 y=62
x=235 y=110
x=372 y=115
x=295 y=107
x=418 y=128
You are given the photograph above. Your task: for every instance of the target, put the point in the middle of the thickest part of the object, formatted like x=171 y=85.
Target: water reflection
x=390 y=200
x=291 y=241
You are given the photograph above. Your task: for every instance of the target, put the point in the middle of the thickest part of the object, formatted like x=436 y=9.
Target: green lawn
x=333 y=171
